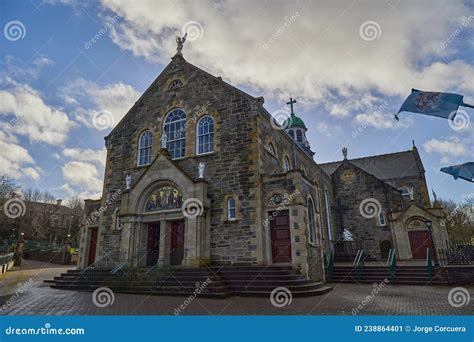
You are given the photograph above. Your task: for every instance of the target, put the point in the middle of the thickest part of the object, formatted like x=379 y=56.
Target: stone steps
x=224 y=281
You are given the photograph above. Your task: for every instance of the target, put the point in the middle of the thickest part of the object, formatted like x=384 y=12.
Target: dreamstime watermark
x=21 y=289
x=370 y=208
x=370 y=30
x=107 y=26
x=459 y=119
x=102 y=297
x=377 y=288
x=280 y=297
x=199 y=288
x=193 y=29
x=281 y=119
x=287 y=21
x=200 y=111
x=111 y=198
x=466 y=201
x=14 y=208
x=17 y=117
x=192 y=207
x=102 y=120
x=46 y=330
x=14 y=30
x=458 y=297
x=287 y=199
x=465 y=22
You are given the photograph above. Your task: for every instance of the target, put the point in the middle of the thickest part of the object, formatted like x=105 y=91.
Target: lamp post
x=429 y=224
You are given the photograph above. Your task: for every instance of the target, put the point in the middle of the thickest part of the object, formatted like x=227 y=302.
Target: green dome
x=293 y=121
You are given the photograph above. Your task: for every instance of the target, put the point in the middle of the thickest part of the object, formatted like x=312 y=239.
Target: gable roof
x=385 y=166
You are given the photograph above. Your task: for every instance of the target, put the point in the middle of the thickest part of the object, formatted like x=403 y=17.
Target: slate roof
x=385 y=166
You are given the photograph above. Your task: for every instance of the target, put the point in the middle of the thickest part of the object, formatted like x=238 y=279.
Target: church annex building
x=199 y=174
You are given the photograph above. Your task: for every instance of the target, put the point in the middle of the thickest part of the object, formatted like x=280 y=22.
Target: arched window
x=382 y=221
x=205 y=135
x=175 y=84
x=286 y=164
x=271 y=149
x=311 y=221
x=231 y=209
x=144 y=148
x=299 y=135
x=291 y=133
x=176 y=133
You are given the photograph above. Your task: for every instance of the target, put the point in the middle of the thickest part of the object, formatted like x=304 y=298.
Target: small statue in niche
x=201 y=169
x=128 y=181
x=164 y=140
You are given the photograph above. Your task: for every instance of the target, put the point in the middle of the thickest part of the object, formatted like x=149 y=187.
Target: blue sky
x=349 y=65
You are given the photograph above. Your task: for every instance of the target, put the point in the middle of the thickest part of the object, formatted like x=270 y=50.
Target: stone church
x=199 y=173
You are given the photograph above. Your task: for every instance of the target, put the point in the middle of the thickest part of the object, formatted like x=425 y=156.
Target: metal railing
x=392 y=263
x=429 y=265
x=128 y=263
x=330 y=264
x=359 y=263
x=95 y=264
x=6 y=258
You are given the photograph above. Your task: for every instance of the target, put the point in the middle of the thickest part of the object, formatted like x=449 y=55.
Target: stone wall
x=351 y=187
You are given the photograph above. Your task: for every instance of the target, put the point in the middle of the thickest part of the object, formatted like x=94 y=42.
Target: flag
x=443 y=105
x=464 y=171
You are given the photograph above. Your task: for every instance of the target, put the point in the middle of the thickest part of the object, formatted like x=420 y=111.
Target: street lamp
x=429 y=224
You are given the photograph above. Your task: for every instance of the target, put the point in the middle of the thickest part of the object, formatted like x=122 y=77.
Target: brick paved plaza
x=39 y=299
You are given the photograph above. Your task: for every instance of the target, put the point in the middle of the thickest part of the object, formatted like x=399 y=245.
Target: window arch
x=144 y=148
x=311 y=221
x=175 y=84
x=299 y=135
x=231 y=209
x=291 y=133
x=176 y=133
x=205 y=135
x=270 y=148
x=382 y=220
x=117 y=222
x=286 y=164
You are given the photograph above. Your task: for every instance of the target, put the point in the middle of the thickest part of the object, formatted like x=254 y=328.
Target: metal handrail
x=429 y=264
x=95 y=263
x=330 y=264
x=121 y=266
x=393 y=265
x=357 y=257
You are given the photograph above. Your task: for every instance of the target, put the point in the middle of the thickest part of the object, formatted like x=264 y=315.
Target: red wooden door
x=419 y=242
x=177 y=242
x=92 y=245
x=280 y=236
x=153 y=244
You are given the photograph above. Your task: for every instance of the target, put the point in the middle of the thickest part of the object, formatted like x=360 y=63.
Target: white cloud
x=29 y=116
x=449 y=149
x=88 y=99
x=83 y=172
x=28 y=71
x=83 y=176
x=86 y=155
x=314 y=55
x=15 y=161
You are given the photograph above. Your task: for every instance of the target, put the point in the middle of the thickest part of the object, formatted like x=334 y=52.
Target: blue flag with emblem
x=443 y=105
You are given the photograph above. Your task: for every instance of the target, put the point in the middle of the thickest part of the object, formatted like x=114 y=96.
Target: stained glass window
x=165 y=197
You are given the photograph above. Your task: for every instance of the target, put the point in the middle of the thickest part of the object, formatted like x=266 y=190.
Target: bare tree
x=7 y=187
x=458 y=220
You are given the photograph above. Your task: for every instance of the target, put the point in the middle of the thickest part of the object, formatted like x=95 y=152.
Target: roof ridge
x=372 y=156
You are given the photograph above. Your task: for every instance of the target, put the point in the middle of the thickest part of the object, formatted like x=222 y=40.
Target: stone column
x=191 y=247
x=164 y=252
x=126 y=239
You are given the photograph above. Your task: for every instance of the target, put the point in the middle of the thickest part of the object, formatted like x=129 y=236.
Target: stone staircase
x=405 y=275
x=213 y=282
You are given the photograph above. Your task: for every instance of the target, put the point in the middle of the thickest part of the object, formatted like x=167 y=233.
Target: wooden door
x=153 y=244
x=280 y=237
x=419 y=241
x=93 y=233
x=177 y=242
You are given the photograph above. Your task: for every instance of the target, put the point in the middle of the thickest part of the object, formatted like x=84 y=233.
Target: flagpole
x=466 y=105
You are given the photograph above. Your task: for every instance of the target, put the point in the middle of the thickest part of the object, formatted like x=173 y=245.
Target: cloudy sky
x=69 y=70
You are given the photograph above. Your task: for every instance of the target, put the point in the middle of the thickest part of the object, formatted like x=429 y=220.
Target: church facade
x=198 y=173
